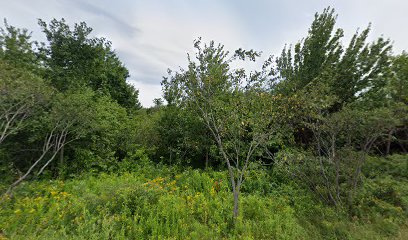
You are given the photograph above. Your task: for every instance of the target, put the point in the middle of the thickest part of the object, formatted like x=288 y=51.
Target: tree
x=357 y=72
x=184 y=138
x=398 y=97
x=399 y=82
x=342 y=142
x=158 y=102
x=233 y=106
x=73 y=59
x=22 y=94
x=73 y=116
x=346 y=110
x=17 y=48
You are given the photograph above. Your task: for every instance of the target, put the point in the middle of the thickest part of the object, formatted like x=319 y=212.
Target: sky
x=152 y=36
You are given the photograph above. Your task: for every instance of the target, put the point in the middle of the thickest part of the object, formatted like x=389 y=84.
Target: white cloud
x=147 y=92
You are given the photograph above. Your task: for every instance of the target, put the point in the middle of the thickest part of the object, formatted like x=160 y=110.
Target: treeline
x=316 y=112
x=66 y=99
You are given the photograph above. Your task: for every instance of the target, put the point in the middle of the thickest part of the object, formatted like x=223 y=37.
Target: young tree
x=233 y=106
x=342 y=142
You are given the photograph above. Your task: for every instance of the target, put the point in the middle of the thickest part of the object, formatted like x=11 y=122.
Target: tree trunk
x=337 y=169
x=62 y=156
x=357 y=174
x=337 y=180
x=56 y=141
x=236 y=204
x=20 y=179
x=234 y=182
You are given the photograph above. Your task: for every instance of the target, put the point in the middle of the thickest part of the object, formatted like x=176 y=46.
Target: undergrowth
x=149 y=201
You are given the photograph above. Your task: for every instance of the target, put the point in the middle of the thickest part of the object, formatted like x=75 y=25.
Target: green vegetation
x=313 y=145
x=158 y=201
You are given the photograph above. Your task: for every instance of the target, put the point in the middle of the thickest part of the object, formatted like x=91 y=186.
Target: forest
x=311 y=145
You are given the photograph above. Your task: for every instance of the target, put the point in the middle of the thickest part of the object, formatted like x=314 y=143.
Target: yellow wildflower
x=65 y=194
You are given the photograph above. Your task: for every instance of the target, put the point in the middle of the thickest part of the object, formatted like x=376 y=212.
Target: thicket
x=311 y=145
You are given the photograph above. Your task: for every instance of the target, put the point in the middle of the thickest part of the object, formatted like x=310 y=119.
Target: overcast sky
x=151 y=36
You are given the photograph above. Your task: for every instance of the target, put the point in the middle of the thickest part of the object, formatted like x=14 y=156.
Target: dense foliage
x=313 y=145
x=142 y=200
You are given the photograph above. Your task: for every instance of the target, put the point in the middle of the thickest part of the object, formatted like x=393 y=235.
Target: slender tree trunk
x=236 y=203
x=52 y=141
x=234 y=182
x=47 y=146
x=327 y=183
x=62 y=156
x=337 y=180
x=235 y=191
x=16 y=183
x=357 y=173
x=337 y=168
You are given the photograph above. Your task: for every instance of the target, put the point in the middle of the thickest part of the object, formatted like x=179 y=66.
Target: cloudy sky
x=151 y=36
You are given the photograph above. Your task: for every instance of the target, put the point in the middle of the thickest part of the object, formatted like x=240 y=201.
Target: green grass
x=161 y=202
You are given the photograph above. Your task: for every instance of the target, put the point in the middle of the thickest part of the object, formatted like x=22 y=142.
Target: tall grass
x=161 y=202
